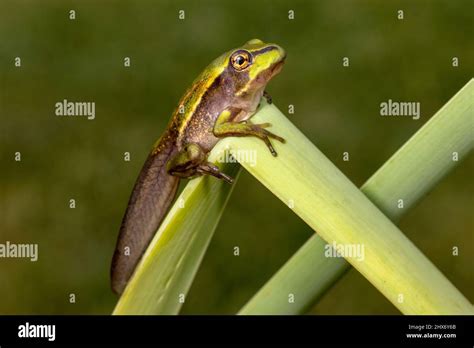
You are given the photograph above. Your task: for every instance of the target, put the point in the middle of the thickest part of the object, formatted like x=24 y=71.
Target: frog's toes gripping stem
x=259 y=131
x=211 y=169
x=224 y=127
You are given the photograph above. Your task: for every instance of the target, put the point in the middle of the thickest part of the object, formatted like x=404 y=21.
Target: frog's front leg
x=192 y=162
x=225 y=127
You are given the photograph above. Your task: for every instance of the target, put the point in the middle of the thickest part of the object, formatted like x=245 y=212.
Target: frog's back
x=199 y=107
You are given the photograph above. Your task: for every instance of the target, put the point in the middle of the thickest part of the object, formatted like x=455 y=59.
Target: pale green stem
x=320 y=194
x=442 y=143
x=163 y=277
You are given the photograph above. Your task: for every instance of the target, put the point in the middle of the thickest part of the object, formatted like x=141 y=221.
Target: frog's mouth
x=276 y=68
x=268 y=74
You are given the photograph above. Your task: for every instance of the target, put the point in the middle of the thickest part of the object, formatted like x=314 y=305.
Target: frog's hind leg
x=192 y=162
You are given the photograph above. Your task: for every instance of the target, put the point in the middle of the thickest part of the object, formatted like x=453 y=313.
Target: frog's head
x=251 y=66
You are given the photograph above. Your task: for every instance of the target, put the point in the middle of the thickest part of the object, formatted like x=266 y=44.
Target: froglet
x=218 y=104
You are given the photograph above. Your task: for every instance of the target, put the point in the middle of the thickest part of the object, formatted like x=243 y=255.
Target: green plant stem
x=334 y=207
x=409 y=174
x=165 y=273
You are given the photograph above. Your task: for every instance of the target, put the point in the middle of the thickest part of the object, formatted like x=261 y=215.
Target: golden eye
x=240 y=60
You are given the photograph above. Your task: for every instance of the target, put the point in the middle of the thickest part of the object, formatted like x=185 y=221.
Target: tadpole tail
x=149 y=202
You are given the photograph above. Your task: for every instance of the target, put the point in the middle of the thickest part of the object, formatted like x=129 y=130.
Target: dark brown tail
x=150 y=200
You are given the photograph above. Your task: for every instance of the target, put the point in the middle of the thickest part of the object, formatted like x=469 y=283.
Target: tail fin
x=150 y=200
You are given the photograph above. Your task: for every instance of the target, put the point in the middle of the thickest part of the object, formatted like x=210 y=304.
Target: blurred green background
x=337 y=108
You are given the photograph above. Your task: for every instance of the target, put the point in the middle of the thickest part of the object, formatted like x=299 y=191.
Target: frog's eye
x=241 y=60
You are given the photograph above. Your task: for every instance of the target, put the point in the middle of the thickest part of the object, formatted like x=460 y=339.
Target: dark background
x=336 y=107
